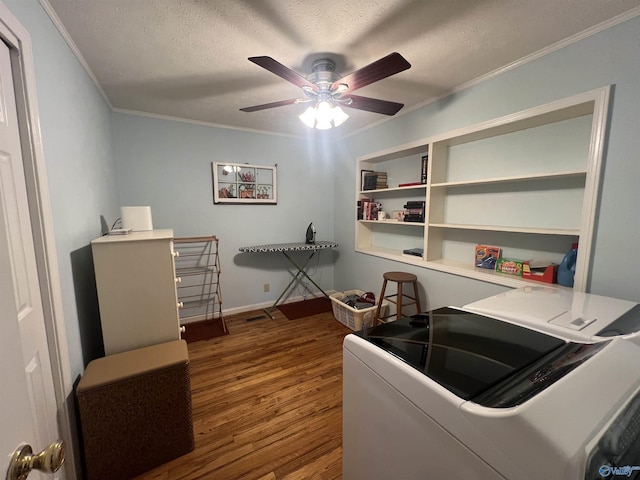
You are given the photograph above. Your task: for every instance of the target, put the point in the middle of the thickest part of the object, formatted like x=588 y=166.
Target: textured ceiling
x=188 y=58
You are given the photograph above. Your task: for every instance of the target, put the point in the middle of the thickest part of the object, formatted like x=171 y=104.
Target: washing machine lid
x=492 y=362
x=574 y=316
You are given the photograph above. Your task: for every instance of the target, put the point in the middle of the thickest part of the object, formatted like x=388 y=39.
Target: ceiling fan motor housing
x=323 y=74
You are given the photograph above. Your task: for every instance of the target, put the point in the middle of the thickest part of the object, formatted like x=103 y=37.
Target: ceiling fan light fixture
x=323 y=124
x=339 y=117
x=323 y=116
x=323 y=111
x=309 y=117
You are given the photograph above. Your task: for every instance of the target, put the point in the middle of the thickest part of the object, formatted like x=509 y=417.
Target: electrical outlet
x=266 y=287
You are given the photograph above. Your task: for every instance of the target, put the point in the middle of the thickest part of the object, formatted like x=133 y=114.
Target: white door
x=27 y=398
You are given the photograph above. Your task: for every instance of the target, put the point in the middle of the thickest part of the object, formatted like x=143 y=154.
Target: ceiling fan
x=327 y=91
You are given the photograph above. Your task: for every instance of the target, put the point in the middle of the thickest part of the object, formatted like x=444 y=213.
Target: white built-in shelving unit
x=527 y=182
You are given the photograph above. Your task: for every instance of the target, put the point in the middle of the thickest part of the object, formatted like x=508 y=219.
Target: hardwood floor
x=267 y=402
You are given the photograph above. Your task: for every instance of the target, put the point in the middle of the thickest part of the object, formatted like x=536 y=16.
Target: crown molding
x=74 y=48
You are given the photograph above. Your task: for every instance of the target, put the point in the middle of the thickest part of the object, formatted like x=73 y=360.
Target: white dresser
x=136 y=283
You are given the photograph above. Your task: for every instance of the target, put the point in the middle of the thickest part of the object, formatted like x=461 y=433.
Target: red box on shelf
x=546 y=274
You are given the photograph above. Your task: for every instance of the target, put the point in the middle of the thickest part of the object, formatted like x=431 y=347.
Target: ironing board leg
x=298 y=276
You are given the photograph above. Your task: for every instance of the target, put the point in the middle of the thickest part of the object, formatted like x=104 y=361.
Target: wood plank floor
x=267 y=402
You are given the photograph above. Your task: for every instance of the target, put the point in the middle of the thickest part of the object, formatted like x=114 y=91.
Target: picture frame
x=244 y=183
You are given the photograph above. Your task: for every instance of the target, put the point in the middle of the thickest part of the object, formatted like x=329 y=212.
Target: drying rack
x=198 y=279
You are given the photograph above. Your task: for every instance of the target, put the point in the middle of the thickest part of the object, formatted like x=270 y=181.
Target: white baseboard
x=261 y=306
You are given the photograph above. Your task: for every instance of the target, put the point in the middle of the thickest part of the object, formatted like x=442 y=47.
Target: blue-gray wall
x=78 y=148
x=167 y=165
x=610 y=57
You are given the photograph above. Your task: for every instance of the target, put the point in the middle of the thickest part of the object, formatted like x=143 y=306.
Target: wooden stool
x=399 y=278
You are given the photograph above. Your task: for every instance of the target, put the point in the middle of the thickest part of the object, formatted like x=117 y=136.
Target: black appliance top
x=623 y=325
x=493 y=363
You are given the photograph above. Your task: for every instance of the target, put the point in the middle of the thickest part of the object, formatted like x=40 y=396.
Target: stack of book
x=375 y=181
x=368 y=209
x=381 y=180
x=413 y=252
x=414 y=211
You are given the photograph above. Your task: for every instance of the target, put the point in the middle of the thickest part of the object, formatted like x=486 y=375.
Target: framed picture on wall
x=244 y=183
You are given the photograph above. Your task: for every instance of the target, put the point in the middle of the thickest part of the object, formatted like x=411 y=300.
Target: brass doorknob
x=23 y=461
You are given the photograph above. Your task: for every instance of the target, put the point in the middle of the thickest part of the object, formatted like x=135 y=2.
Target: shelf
x=394 y=189
x=513 y=179
x=384 y=222
x=534 y=173
x=495 y=228
x=574 y=107
x=483 y=274
x=455 y=268
x=391 y=254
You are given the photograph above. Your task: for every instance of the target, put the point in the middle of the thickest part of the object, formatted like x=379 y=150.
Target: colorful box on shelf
x=487 y=256
x=545 y=274
x=510 y=266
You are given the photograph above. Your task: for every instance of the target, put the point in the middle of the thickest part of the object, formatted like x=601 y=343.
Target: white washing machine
x=457 y=394
x=572 y=315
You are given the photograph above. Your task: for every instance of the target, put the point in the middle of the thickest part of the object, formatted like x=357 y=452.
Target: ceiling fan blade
x=383 y=68
x=289 y=75
x=281 y=103
x=372 y=104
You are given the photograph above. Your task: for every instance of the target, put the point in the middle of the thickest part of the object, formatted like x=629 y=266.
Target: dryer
x=458 y=394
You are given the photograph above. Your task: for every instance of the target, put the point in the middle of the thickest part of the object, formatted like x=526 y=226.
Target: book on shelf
x=368 y=209
x=413 y=252
x=410 y=184
x=414 y=211
x=374 y=180
x=362 y=175
x=370 y=181
x=372 y=213
x=424 y=164
x=381 y=180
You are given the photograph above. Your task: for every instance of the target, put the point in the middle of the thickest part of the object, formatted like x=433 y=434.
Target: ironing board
x=286 y=249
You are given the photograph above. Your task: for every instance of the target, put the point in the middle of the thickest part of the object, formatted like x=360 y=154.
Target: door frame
x=19 y=41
